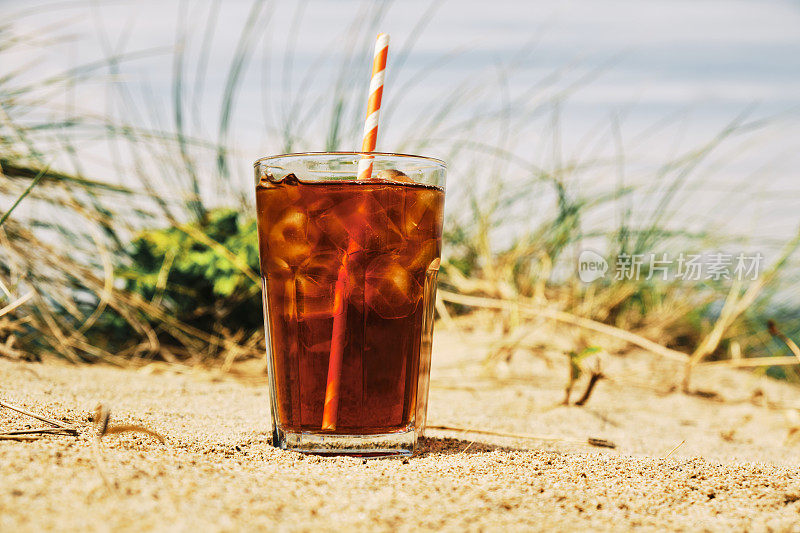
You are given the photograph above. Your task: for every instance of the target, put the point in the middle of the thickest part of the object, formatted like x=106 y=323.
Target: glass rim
x=268 y=158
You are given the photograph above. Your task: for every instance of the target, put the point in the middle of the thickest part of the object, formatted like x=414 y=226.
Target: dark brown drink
x=388 y=236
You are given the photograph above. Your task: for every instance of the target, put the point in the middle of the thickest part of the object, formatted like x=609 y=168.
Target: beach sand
x=737 y=468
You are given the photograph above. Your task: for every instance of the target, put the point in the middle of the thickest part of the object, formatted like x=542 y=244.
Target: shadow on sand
x=448 y=446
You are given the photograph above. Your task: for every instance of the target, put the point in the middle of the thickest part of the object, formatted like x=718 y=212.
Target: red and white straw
x=374 y=104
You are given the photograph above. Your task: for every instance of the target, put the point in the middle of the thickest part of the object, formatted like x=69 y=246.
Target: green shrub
x=209 y=285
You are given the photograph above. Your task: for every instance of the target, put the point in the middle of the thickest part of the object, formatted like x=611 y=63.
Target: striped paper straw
x=331 y=408
x=374 y=104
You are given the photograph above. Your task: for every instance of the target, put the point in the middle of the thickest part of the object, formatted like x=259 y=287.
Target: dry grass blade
x=561 y=316
x=603 y=443
x=5 y=290
x=444 y=314
x=775 y=332
x=51 y=421
x=15 y=304
x=734 y=306
x=102 y=418
x=19 y=437
x=10 y=353
x=730 y=311
x=108 y=273
x=132 y=428
x=222 y=250
x=102 y=427
x=40 y=431
x=25 y=193
x=752 y=362
x=673 y=450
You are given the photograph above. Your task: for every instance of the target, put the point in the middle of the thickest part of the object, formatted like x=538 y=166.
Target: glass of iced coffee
x=348 y=269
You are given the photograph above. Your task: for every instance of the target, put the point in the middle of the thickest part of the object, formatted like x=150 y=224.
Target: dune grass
x=145 y=264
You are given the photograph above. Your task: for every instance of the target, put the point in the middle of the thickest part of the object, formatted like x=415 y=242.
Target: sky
x=659 y=77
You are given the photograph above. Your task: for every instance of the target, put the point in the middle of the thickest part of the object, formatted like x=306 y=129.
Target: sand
x=736 y=470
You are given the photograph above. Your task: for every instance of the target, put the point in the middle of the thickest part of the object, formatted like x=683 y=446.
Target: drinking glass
x=348 y=270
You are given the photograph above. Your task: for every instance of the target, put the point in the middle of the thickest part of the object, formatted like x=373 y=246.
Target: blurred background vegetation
x=159 y=260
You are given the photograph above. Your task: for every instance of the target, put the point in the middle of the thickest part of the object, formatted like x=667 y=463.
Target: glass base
x=396 y=444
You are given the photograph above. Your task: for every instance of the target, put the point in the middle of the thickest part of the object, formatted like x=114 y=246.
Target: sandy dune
x=737 y=468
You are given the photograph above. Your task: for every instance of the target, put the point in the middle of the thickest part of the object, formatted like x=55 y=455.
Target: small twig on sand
x=590 y=441
x=600 y=443
x=673 y=450
x=576 y=368
x=593 y=379
x=57 y=423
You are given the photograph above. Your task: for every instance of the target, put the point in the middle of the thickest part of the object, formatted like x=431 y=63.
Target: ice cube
x=289 y=303
x=281 y=306
x=276 y=268
x=316 y=285
x=418 y=257
x=391 y=174
x=390 y=290
x=363 y=221
x=274 y=197
x=292 y=238
x=327 y=218
x=420 y=212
